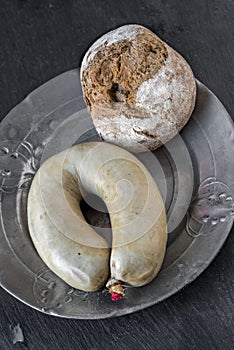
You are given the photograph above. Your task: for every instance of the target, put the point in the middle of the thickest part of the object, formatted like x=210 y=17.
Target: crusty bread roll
x=139 y=91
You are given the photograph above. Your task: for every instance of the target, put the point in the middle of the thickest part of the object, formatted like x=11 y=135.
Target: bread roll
x=139 y=91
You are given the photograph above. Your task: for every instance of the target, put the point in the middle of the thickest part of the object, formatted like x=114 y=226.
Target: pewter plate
x=194 y=172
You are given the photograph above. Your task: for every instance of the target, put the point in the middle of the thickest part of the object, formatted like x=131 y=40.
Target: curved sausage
x=69 y=245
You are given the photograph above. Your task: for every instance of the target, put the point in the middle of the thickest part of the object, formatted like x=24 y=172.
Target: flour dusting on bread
x=139 y=91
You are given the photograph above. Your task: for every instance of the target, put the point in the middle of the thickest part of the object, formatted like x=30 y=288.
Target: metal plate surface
x=194 y=172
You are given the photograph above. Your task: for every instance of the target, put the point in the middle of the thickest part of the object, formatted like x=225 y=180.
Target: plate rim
x=133 y=308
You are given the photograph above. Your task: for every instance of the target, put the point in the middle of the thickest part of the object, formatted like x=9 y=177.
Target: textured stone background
x=40 y=39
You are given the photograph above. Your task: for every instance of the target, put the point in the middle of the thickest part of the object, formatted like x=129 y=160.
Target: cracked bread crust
x=139 y=91
x=116 y=71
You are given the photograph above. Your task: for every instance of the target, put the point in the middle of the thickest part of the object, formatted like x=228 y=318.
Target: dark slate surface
x=39 y=39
